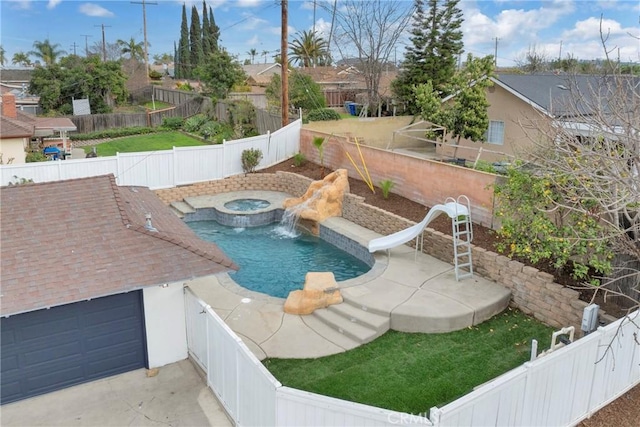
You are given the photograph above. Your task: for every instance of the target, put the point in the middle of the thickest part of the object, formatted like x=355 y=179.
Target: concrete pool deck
x=401 y=292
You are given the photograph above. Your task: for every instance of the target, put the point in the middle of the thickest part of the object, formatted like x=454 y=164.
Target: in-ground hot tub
x=247 y=205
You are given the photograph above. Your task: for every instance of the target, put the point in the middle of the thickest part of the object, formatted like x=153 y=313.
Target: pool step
x=181 y=208
x=329 y=333
x=351 y=321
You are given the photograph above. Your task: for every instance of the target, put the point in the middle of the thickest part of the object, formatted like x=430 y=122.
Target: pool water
x=274 y=262
x=247 y=204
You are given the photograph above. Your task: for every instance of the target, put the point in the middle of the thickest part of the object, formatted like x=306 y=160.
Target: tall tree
x=219 y=73
x=308 y=49
x=369 y=31
x=214 y=31
x=303 y=92
x=206 y=39
x=465 y=115
x=176 y=61
x=2 y=57
x=184 y=52
x=264 y=54
x=252 y=53
x=131 y=48
x=46 y=51
x=195 y=36
x=21 y=58
x=436 y=42
x=103 y=83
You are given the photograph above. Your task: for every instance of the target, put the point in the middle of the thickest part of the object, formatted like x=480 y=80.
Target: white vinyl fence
x=167 y=168
x=559 y=389
x=252 y=396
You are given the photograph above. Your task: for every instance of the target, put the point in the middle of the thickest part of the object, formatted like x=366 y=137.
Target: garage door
x=47 y=350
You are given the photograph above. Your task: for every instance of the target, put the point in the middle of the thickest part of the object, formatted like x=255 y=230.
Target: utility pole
x=104 y=42
x=86 y=44
x=560 y=54
x=284 y=62
x=144 y=29
x=74 y=45
x=315 y=58
x=495 y=55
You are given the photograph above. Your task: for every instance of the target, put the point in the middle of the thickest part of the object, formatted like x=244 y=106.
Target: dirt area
x=624 y=412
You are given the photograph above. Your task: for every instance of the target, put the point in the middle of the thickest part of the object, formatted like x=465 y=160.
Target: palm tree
x=252 y=53
x=308 y=49
x=21 y=58
x=2 y=58
x=135 y=50
x=46 y=51
x=265 y=53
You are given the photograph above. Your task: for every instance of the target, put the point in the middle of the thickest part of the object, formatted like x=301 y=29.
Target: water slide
x=453 y=209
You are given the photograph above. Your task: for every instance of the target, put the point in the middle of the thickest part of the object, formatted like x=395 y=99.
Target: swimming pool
x=274 y=262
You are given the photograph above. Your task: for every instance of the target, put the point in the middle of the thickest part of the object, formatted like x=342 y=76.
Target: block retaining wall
x=533 y=291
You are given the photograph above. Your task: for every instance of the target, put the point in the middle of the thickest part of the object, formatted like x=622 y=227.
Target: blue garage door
x=47 y=350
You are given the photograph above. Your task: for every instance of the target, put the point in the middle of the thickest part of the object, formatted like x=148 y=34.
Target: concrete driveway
x=177 y=396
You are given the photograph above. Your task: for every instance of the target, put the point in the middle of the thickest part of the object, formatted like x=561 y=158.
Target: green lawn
x=414 y=372
x=148 y=142
x=159 y=105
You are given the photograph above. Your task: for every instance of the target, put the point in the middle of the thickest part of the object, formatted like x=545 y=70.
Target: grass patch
x=159 y=105
x=414 y=372
x=148 y=142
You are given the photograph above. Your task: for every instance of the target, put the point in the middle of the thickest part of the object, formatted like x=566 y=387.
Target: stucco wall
x=428 y=182
x=164 y=316
x=13 y=148
x=534 y=292
x=519 y=120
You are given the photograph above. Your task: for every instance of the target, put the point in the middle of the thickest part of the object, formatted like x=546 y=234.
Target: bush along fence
x=168 y=168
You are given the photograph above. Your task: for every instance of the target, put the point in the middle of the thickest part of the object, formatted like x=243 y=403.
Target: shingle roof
x=562 y=94
x=13 y=128
x=68 y=241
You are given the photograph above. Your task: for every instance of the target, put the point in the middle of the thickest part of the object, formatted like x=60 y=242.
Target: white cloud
x=91 y=9
x=20 y=4
x=590 y=28
x=253 y=41
x=53 y=3
x=248 y=3
x=251 y=22
x=323 y=28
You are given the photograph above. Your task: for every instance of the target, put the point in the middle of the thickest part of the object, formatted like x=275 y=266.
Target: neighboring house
x=343 y=83
x=16 y=81
x=522 y=103
x=260 y=74
x=92 y=283
x=18 y=128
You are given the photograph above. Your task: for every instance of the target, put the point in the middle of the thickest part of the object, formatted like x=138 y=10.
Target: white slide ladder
x=460 y=213
x=462 y=231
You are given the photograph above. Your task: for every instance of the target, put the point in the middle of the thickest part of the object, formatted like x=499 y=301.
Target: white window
x=495 y=133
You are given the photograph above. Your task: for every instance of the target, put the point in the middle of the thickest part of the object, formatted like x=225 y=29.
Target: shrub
x=386 y=186
x=194 y=123
x=251 y=159
x=172 y=123
x=184 y=86
x=35 y=156
x=112 y=133
x=155 y=75
x=224 y=131
x=299 y=159
x=209 y=129
x=323 y=114
x=20 y=181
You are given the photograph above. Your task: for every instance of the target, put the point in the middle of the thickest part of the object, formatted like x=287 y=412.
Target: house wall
x=164 y=316
x=519 y=120
x=13 y=148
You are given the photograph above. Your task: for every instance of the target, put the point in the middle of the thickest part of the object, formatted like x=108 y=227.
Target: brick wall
x=534 y=292
x=428 y=182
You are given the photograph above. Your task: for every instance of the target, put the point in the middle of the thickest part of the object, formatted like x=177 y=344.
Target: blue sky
x=551 y=27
